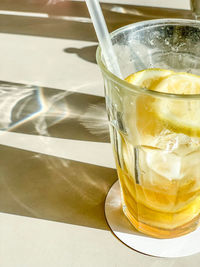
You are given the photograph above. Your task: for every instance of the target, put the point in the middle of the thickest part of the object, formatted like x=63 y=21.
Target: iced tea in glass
x=154 y=116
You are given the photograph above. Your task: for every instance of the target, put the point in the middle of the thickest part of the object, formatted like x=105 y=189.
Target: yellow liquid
x=162 y=209
x=164 y=199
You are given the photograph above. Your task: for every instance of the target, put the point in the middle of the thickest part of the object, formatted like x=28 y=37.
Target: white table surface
x=55 y=168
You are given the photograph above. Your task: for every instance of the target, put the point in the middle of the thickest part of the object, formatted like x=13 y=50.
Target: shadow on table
x=51 y=188
x=70 y=19
x=47 y=187
x=87 y=53
x=54 y=113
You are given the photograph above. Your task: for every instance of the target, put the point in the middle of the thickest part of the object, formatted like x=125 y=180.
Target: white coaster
x=175 y=247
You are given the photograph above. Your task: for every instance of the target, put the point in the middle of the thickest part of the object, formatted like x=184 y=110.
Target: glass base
x=122 y=228
x=160 y=232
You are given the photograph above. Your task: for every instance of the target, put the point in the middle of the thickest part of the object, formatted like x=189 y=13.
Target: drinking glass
x=156 y=136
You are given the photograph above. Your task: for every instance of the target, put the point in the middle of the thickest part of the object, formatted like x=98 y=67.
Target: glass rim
x=137 y=89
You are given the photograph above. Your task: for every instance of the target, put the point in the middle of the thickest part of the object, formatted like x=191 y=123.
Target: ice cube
x=164 y=163
x=180 y=144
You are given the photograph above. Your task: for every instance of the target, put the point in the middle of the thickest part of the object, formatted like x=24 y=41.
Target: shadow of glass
x=51 y=188
x=52 y=112
x=87 y=53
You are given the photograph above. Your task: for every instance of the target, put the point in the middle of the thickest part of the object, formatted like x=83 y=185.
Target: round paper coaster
x=175 y=247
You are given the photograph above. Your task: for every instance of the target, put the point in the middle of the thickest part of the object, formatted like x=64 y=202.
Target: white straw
x=103 y=37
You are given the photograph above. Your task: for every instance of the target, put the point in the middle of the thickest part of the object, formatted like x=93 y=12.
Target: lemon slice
x=157 y=114
x=146 y=121
x=180 y=115
x=179 y=83
x=148 y=78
